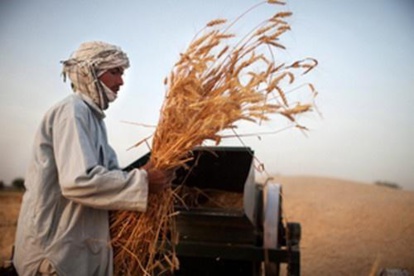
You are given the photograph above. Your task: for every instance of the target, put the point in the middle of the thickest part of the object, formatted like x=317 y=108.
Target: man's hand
x=158 y=180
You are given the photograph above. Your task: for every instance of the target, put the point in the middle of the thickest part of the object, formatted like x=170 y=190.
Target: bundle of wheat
x=218 y=81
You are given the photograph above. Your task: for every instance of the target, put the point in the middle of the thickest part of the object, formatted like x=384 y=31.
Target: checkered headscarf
x=89 y=62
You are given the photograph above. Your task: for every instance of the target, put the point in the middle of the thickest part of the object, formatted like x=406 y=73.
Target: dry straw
x=219 y=80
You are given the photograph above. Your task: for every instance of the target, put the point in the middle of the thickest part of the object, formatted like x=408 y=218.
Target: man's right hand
x=158 y=180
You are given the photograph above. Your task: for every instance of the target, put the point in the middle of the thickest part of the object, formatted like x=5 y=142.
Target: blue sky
x=365 y=77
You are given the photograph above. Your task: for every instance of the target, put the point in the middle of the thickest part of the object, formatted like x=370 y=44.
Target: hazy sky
x=365 y=77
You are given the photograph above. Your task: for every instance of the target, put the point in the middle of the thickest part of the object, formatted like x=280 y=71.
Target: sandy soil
x=348 y=228
x=9 y=211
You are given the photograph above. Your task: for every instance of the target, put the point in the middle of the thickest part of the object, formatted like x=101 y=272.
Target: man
x=73 y=179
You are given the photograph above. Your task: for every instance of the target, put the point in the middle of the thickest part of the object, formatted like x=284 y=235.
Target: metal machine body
x=251 y=240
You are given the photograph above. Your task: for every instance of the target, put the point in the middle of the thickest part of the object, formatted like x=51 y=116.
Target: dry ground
x=9 y=210
x=348 y=228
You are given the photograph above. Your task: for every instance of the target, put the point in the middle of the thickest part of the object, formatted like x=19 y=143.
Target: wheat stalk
x=214 y=84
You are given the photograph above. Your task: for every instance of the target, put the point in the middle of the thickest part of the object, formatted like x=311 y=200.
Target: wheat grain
x=211 y=87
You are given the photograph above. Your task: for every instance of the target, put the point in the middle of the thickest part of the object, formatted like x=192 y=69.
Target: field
x=9 y=211
x=348 y=228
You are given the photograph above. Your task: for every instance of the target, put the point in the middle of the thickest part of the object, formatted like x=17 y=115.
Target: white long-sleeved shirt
x=72 y=181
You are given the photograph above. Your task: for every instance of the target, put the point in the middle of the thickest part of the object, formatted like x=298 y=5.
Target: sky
x=365 y=78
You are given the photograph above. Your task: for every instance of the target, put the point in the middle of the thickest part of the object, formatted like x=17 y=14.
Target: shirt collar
x=92 y=105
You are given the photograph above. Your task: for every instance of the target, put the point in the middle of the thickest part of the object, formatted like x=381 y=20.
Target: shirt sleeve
x=113 y=160
x=81 y=176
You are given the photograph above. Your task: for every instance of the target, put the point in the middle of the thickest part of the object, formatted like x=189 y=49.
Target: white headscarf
x=88 y=63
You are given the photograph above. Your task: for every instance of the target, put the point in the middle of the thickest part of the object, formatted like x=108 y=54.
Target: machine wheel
x=293 y=233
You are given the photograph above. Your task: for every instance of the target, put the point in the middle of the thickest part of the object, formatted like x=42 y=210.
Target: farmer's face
x=113 y=79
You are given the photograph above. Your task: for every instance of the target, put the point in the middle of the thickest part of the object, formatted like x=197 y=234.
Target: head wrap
x=88 y=63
